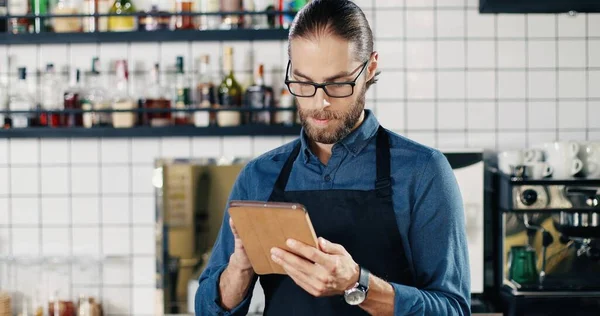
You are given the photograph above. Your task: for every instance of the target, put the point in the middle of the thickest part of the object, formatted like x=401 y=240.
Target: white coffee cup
x=508 y=159
x=538 y=169
x=562 y=156
x=589 y=153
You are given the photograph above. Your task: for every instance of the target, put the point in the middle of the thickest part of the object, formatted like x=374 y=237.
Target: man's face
x=326 y=119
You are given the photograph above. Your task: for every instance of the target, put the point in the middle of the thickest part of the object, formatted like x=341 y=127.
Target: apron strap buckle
x=383 y=187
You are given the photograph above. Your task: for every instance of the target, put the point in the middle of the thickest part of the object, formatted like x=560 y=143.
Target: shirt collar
x=355 y=142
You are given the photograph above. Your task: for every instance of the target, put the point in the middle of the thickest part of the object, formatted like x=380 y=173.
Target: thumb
x=331 y=248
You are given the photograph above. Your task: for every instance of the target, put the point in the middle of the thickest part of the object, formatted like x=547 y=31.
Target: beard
x=340 y=123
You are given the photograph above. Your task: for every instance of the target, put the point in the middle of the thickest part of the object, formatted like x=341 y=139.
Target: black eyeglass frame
x=324 y=84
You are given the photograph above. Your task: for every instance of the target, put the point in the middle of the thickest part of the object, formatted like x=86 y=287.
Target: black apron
x=363 y=222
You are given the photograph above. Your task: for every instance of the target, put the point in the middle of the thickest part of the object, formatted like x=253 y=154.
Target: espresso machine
x=548 y=250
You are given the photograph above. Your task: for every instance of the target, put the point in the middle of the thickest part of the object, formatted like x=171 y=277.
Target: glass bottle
x=39 y=7
x=122 y=100
x=156 y=97
x=232 y=21
x=230 y=94
x=21 y=100
x=72 y=101
x=184 y=22
x=51 y=101
x=182 y=94
x=123 y=23
x=260 y=96
x=287 y=102
x=66 y=25
x=206 y=94
x=96 y=98
x=209 y=22
x=18 y=25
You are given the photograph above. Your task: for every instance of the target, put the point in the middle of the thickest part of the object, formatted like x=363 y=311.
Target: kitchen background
x=451 y=78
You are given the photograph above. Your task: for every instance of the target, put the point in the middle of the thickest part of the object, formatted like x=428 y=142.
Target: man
x=388 y=210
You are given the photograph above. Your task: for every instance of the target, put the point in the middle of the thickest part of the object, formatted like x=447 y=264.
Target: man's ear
x=372 y=67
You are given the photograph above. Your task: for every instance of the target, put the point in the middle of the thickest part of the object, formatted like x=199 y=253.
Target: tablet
x=264 y=225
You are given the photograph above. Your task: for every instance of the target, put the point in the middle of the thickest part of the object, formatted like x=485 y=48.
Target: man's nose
x=321 y=99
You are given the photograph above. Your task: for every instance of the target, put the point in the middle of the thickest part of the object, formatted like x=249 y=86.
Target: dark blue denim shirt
x=427 y=203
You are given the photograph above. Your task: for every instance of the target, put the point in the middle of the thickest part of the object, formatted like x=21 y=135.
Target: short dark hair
x=342 y=18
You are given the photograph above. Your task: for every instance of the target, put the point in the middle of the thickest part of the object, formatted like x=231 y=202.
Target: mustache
x=321 y=115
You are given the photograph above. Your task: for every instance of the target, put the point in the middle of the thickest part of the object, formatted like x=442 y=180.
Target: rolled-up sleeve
x=438 y=244
x=207 y=300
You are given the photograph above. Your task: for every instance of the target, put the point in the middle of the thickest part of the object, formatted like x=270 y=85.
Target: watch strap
x=363 y=277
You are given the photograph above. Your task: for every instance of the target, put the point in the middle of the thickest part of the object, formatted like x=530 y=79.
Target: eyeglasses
x=305 y=89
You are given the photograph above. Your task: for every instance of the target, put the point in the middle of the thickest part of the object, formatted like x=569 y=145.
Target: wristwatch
x=357 y=294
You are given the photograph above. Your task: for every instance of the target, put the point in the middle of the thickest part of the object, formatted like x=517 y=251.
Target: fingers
x=233 y=230
x=304 y=281
x=311 y=253
x=331 y=248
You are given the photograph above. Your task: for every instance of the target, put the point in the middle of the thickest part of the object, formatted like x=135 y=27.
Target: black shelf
x=146 y=36
x=573 y=181
x=170 y=131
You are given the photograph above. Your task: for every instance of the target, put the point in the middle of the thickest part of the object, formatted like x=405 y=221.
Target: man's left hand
x=327 y=271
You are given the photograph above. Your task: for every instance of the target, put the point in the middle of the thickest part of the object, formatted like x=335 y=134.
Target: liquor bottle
x=72 y=101
x=51 y=101
x=260 y=96
x=156 y=97
x=232 y=21
x=39 y=7
x=21 y=100
x=184 y=22
x=287 y=102
x=18 y=25
x=209 y=22
x=122 y=101
x=182 y=94
x=95 y=98
x=230 y=94
x=66 y=25
x=121 y=23
x=95 y=24
x=261 y=21
x=206 y=95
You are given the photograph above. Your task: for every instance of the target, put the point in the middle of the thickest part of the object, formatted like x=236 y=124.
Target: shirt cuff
x=407 y=300
x=214 y=305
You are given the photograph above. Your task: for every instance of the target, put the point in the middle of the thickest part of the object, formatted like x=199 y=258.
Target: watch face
x=355 y=297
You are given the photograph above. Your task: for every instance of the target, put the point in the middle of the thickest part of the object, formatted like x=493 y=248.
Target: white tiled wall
x=451 y=78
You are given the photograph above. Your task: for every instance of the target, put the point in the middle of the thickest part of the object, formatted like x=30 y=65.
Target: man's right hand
x=239 y=259
x=236 y=280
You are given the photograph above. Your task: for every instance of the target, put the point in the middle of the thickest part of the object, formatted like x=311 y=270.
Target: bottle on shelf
x=155 y=97
x=19 y=8
x=182 y=94
x=122 y=101
x=248 y=19
x=206 y=95
x=39 y=7
x=21 y=100
x=96 y=98
x=72 y=100
x=209 y=22
x=287 y=102
x=122 y=23
x=3 y=21
x=230 y=93
x=260 y=96
x=51 y=99
x=232 y=21
x=155 y=20
x=66 y=25
x=263 y=21
x=95 y=24
x=184 y=22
